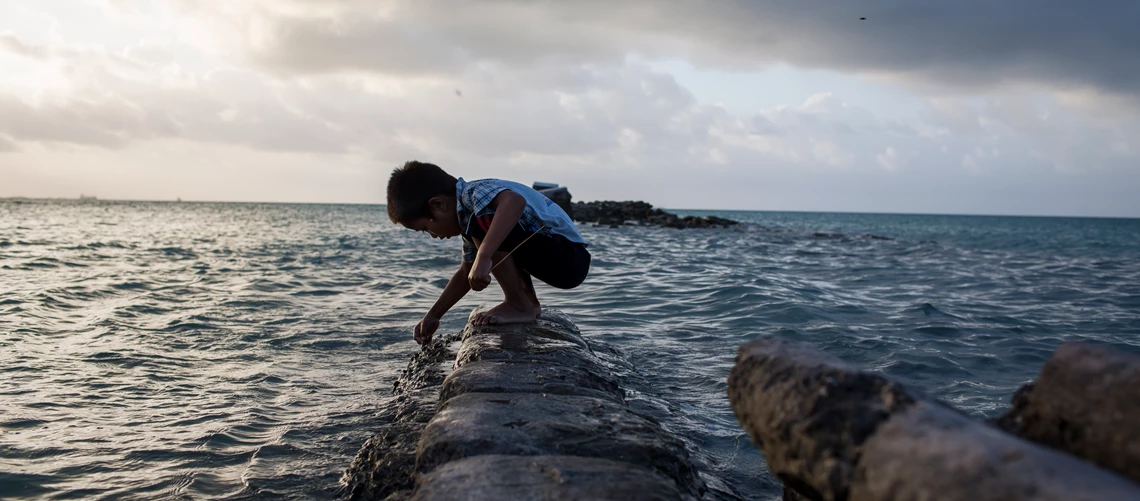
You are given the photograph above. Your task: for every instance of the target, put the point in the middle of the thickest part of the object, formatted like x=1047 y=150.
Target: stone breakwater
x=610 y=213
x=518 y=412
x=833 y=432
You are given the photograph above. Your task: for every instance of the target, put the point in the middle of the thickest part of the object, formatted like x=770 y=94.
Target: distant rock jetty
x=834 y=432
x=518 y=412
x=614 y=214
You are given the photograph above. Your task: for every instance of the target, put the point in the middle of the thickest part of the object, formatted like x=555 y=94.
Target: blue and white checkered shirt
x=473 y=199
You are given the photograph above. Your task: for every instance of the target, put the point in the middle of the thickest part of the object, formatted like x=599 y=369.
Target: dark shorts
x=553 y=259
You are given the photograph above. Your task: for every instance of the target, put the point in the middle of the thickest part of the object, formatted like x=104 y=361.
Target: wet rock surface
x=1086 y=402
x=535 y=424
x=511 y=377
x=544 y=477
x=833 y=432
x=809 y=412
x=385 y=464
x=612 y=213
x=934 y=452
x=529 y=412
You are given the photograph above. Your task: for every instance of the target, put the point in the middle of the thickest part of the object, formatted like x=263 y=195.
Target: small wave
x=318 y=292
x=22 y=423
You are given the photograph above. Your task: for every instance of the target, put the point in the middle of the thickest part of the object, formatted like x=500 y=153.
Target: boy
x=495 y=218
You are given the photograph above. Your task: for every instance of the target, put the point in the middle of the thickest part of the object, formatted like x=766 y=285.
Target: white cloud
x=524 y=90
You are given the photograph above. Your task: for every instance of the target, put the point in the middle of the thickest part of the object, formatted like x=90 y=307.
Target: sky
x=1026 y=107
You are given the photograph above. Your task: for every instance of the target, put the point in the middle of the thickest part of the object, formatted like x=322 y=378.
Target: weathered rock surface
x=536 y=424
x=933 y=452
x=513 y=377
x=529 y=412
x=611 y=213
x=1086 y=402
x=809 y=412
x=833 y=432
x=554 y=478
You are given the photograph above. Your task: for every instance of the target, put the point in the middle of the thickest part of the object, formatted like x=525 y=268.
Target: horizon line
x=797 y=211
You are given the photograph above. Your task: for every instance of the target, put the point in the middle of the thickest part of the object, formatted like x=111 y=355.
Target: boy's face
x=443 y=222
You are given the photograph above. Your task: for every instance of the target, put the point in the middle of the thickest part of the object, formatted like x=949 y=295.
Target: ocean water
x=239 y=351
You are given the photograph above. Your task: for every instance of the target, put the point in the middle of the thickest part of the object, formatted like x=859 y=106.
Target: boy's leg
x=520 y=303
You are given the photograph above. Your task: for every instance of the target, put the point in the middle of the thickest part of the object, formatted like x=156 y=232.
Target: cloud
x=7 y=144
x=14 y=45
x=973 y=44
x=547 y=90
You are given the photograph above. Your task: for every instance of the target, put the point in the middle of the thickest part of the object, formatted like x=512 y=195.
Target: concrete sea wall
x=518 y=412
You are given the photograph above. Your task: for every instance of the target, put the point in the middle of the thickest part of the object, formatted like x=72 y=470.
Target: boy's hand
x=480 y=276
x=424 y=330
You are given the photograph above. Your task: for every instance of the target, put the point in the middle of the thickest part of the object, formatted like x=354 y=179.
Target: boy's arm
x=509 y=207
x=456 y=288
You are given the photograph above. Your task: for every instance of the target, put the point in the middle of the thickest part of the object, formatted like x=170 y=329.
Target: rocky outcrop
x=529 y=412
x=833 y=432
x=610 y=213
x=1086 y=402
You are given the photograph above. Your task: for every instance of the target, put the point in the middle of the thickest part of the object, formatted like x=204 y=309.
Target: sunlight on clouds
x=553 y=91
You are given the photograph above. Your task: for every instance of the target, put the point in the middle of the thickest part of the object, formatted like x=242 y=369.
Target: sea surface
x=241 y=351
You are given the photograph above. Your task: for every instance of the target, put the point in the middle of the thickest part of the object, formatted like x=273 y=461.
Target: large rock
x=809 y=412
x=1086 y=402
x=553 y=478
x=934 y=453
x=535 y=424
x=833 y=432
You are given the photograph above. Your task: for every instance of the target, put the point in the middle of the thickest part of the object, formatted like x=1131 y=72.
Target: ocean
x=239 y=351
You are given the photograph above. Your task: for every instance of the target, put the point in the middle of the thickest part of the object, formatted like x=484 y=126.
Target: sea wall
x=518 y=412
x=834 y=432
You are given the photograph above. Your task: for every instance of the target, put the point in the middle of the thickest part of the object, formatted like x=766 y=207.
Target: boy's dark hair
x=412 y=185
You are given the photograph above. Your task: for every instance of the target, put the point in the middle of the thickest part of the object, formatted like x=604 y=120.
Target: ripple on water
x=242 y=350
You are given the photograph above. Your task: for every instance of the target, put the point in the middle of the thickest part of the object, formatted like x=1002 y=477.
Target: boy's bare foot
x=508 y=313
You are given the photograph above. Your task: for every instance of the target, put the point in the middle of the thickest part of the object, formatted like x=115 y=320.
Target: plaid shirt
x=473 y=200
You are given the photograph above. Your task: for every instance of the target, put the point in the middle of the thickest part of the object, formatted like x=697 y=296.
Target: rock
x=506 y=345
x=833 y=432
x=1086 y=402
x=529 y=412
x=554 y=478
x=559 y=194
x=513 y=377
x=809 y=412
x=386 y=463
x=935 y=453
x=532 y=424
x=611 y=213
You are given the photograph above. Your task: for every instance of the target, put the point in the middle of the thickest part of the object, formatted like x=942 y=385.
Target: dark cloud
x=966 y=43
